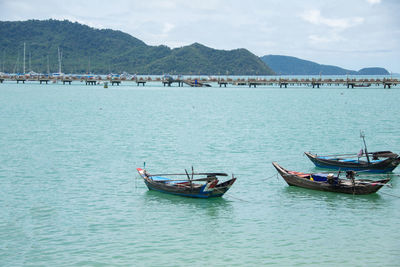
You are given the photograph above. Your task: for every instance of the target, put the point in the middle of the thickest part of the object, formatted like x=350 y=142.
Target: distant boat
x=59 y=73
x=206 y=186
x=32 y=74
x=362 y=85
x=378 y=162
x=168 y=78
x=330 y=182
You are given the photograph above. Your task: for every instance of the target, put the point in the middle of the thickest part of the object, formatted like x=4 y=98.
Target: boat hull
x=387 y=165
x=210 y=189
x=218 y=191
x=360 y=187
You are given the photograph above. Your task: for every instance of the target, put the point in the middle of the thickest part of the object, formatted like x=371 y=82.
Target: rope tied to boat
x=272 y=176
x=236 y=198
x=390 y=194
x=216 y=189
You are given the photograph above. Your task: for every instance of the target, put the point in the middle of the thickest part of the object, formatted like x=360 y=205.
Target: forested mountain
x=373 y=71
x=85 y=49
x=286 y=65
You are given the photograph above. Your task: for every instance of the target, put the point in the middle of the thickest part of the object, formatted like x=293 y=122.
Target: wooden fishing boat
x=330 y=182
x=206 y=186
x=378 y=162
x=381 y=162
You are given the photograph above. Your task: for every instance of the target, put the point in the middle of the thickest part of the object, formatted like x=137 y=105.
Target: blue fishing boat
x=377 y=162
x=206 y=186
x=380 y=162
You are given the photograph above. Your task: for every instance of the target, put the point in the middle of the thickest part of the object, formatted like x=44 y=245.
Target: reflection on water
x=212 y=207
x=334 y=200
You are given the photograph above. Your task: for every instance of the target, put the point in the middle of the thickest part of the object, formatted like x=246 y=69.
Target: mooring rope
x=390 y=194
x=237 y=198
x=272 y=176
x=216 y=189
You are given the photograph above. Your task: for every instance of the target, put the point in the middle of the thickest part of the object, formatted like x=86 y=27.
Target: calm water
x=70 y=194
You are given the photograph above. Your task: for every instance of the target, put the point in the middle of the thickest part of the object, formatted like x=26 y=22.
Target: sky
x=351 y=34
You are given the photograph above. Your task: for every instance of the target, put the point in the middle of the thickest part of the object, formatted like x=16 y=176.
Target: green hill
x=87 y=49
x=373 y=71
x=286 y=65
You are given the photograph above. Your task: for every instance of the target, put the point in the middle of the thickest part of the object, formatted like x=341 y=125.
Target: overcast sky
x=348 y=33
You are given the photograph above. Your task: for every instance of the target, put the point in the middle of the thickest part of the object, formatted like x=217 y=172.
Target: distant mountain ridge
x=287 y=65
x=85 y=49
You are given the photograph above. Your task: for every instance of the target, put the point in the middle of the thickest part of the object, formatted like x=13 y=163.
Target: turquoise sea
x=70 y=194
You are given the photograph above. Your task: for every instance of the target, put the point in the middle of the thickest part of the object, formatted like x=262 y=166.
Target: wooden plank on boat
x=177 y=174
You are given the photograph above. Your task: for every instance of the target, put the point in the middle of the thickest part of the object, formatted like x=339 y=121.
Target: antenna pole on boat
x=191 y=185
x=362 y=135
x=190 y=181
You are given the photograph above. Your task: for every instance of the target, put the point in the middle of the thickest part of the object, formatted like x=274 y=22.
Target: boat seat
x=349 y=160
x=300 y=174
x=330 y=158
x=159 y=178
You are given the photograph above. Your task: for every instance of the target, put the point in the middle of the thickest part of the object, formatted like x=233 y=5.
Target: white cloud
x=168 y=27
x=314 y=16
x=373 y=2
x=326 y=38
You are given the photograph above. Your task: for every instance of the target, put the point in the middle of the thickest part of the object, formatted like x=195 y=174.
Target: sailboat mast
x=4 y=56
x=59 y=61
x=30 y=67
x=16 y=66
x=24 y=58
x=48 y=66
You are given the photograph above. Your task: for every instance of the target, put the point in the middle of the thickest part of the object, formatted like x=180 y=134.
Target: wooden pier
x=207 y=82
x=64 y=81
x=222 y=82
x=44 y=80
x=91 y=82
x=170 y=81
x=191 y=82
x=117 y=82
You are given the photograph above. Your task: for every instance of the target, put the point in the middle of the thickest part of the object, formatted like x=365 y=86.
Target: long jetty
x=202 y=82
